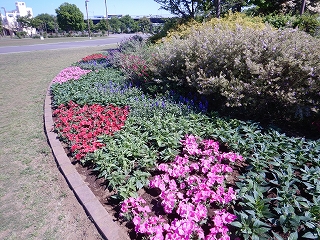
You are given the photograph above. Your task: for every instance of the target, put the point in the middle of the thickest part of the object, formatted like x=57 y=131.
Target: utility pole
x=105 y=3
x=88 y=18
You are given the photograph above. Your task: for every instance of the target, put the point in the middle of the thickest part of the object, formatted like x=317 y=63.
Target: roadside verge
x=103 y=220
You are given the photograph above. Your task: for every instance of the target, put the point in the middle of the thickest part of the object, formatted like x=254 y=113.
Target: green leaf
x=258 y=223
x=293 y=236
x=236 y=224
x=277 y=236
x=310 y=235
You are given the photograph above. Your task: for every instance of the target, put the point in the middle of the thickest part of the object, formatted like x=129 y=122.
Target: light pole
x=105 y=3
x=86 y=2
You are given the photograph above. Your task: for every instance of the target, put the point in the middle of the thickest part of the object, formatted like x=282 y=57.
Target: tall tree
x=128 y=24
x=24 y=22
x=145 y=25
x=184 y=8
x=48 y=21
x=192 y=8
x=102 y=25
x=1 y=28
x=37 y=23
x=285 y=6
x=91 y=25
x=115 y=24
x=70 y=17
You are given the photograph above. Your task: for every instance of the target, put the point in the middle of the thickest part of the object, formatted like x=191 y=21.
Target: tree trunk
x=218 y=8
x=303 y=5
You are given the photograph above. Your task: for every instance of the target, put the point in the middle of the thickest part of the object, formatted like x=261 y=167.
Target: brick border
x=104 y=221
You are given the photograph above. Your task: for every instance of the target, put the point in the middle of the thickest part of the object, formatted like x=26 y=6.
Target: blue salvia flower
x=163 y=104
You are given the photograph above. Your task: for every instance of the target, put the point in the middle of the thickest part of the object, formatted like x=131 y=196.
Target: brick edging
x=103 y=220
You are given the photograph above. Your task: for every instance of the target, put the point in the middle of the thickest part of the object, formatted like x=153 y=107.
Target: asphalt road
x=112 y=39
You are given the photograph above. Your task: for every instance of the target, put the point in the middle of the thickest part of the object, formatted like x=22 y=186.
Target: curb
x=103 y=220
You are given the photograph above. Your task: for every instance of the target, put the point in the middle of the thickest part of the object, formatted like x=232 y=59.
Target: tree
x=36 y=23
x=24 y=21
x=48 y=22
x=285 y=6
x=193 y=8
x=128 y=24
x=91 y=25
x=70 y=17
x=183 y=8
x=145 y=25
x=1 y=28
x=115 y=24
x=102 y=25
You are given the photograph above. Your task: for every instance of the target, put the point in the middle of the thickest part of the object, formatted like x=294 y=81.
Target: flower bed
x=80 y=126
x=193 y=190
x=96 y=56
x=69 y=73
x=170 y=145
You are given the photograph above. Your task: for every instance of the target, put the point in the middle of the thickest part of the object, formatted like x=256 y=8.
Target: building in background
x=9 y=18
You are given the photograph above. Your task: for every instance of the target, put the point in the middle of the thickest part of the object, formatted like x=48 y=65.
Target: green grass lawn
x=35 y=201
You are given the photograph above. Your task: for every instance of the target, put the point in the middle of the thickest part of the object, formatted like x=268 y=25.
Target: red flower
x=96 y=56
x=82 y=125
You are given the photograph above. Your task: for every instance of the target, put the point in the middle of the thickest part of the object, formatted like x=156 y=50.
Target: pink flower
x=69 y=73
x=213 y=178
x=168 y=201
x=194 y=166
x=157 y=182
x=163 y=167
x=188 y=185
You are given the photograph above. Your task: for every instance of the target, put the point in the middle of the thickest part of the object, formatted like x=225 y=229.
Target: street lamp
x=105 y=3
x=86 y=2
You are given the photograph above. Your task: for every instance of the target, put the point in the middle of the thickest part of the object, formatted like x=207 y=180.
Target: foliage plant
x=259 y=71
x=277 y=193
x=190 y=186
x=134 y=58
x=306 y=22
x=230 y=21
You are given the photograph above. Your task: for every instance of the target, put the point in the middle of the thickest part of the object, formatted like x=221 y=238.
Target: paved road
x=60 y=45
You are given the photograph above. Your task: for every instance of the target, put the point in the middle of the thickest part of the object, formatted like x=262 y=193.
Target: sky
x=95 y=7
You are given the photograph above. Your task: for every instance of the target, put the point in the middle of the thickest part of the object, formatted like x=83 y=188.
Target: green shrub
x=134 y=58
x=21 y=34
x=261 y=71
x=280 y=21
x=132 y=44
x=306 y=22
x=230 y=21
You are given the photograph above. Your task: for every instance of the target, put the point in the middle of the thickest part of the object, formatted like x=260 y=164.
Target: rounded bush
x=263 y=71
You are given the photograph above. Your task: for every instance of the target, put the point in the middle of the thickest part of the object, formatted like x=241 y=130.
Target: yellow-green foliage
x=230 y=21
